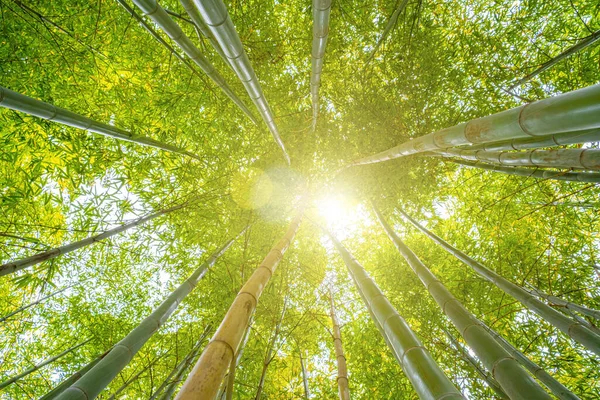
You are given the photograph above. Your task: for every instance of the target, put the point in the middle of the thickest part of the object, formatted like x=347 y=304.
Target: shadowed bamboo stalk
x=208 y=373
x=587 y=159
x=321 y=12
x=269 y=356
x=237 y=359
x=342 y=370
x=590 y=177
x=28 y=105
x=426 y=377
x=560 y=139
x=567 y=304
x=40 y=365
x=582 y=44
x=576 y=331
x=168 y=395
x=18 y=265
x=515 y=382
x=160 y=17
x=214 y=13
x=304 y=375
x=489 y=380
x=555 y=386
x=388 y=28
x=92 y=383
x=568 y=112
x=21 y=309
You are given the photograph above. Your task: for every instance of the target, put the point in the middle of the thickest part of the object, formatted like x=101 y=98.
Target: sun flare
x=341 y=216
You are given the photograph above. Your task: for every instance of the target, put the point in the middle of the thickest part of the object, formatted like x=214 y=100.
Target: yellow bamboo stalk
x=342 y=377
x=208 y=373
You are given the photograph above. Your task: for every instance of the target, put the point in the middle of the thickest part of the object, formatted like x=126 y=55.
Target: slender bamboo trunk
x=304 y=375
x=587 y=159
x=92 y=383
x=555 y=386
x=583 y=321
x=342 y=370
x=18 y=265
x=388 y=28
x=428 y=380
x=515 y=382
x=582 y=44
x=214 y=13
x=168 y=395
x=591 y=177
x=574 y=330
x=567 y=304
x=28 y=105
x=160 y=17
x=180 y=367
x=204 y=380
x=568 y=112
x=235 y=362
x=40 y=365
x=23 y=308
x=464 y=354
x=321 y=12
x=134 y=378
x=560 y=139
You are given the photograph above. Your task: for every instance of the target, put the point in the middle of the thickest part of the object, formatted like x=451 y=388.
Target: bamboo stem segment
x=207 y=375
x=568 y=304
x=388 y=28
x=342 y=369
x=321 y=12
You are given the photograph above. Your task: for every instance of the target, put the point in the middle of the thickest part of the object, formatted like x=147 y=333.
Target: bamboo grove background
x=439 y=64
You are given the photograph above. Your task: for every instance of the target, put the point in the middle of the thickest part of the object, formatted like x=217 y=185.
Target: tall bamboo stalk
x=428 y=380
x=555 y=386
x=568 y=112
x=559 y=139
x=567 y=304
x=40 y=365
x=464 y=354
x=576 y=331
x=204 y=380
x=304 y=375
x=342 y=369
x=515 y=382
x=18 y=265
x=582 y=44
x=321 y=12
x=587 y=159
x=269 y=353
x=168 y=394
x=236 y=362
x=92 y=383
x=214 y=13
x=388 y=28
x=160 y=17
x=28 y=105
x=23 y=308
x=537 y=173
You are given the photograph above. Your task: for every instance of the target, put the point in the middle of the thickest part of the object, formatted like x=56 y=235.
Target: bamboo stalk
x=342 y=369
x=18 y=265
x=238 y=359
x=321 y=12
x=40 y=365
x=28 y=105
x=489 y=380
x=92 y=383
x=559 y=139
x=582 y=44
x=428 y=380
x=515 y=382
x=304 y=375
x=214 y=13
x=207 y=375
x=269 y=354
x=576 y=331
x=23 y=308
x=569 y=112
x=388 y=28
x=587 y=159
x=160 y=17
x=567 y=304
x=168 y=395
x=537 y=173
x=555 y=386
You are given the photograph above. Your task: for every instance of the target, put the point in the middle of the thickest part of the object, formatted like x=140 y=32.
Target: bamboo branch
x=388 y=28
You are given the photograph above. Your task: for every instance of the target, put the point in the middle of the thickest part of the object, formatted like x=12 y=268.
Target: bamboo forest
x=301 y=199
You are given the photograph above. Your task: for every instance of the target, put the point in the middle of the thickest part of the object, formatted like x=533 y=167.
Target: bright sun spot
x=341 y=217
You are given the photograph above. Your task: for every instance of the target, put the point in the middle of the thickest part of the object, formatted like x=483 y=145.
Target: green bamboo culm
x=14 y=266
x=567 y=304
x=555 y=386
x=40 y=365
x=464 y=354
x=93 y=382
x=23 y=308
x=388 y=28
x=569 y=112
x=574 y=330
x=321 y=12
x=214 y=13
x=428 y=380
x=160 y=17
x=537 y=173
x=515 y=382
x=28 y=105
x=179 y=376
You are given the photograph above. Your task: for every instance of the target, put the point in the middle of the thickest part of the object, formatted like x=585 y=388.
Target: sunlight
x=340 y=216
